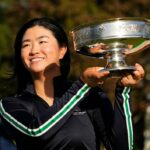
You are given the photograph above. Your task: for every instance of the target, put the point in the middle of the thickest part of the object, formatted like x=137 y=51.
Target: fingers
x=102 y=73
x=134 y=78
x=98 y=77
x=139 y=72
x=128 y=80
x=94 y=77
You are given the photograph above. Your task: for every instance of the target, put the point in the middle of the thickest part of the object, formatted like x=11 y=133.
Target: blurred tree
x=13 y=13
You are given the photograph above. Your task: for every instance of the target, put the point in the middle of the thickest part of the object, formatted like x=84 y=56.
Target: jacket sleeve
x=102 y=115
x=113 y=124
x=16 y=118
x=123 y=124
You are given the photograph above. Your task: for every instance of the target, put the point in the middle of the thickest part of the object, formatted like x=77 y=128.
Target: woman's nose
x=34 y=49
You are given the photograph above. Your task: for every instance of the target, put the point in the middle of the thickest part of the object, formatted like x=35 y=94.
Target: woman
x=49 y=112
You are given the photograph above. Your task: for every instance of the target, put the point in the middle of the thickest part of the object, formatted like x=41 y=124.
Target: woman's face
x=40 y=50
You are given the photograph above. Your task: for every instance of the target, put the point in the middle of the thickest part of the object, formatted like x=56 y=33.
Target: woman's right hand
x=93 y=76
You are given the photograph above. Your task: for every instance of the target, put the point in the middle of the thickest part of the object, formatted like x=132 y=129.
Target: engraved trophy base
x=115 y=56
x=117 y=72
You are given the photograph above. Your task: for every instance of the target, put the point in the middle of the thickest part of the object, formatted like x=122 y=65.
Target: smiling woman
x=51 y=113
x=40 y=50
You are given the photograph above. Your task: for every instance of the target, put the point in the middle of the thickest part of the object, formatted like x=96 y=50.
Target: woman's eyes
x=29 y=44
x=42 y=42
x=25 y=45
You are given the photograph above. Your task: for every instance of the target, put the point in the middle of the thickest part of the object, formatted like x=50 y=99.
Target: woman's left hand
x=134 y=78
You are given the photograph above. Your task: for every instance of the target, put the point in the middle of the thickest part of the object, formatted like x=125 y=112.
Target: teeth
x=36 y=59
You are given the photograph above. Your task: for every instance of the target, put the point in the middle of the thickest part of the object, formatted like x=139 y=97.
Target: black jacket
x=80 y=118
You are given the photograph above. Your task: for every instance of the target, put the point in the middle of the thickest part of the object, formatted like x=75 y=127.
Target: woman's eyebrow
x=40 y=37
x=43 y=36
x=26 y=40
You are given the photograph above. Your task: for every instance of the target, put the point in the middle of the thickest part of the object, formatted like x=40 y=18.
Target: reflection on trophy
x=113 y=40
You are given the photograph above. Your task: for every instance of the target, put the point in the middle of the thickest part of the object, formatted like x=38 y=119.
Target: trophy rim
x=85 y=36
x=147 y=20
x=98 y=40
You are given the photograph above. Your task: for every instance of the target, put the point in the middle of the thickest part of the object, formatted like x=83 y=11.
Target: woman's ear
x=63 y=51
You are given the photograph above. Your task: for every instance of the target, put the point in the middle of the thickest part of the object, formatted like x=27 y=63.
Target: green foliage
x=5 y=39
x=69 y=13
x=14 y=13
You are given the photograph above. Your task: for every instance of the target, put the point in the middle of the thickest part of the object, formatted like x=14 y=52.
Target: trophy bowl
x=113 y=40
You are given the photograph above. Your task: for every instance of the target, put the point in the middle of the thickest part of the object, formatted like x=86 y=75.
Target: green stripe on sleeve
x=49 y=123
x=128 y=116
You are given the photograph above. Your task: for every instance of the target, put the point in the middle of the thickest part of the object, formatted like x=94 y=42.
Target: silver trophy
x=113 y=40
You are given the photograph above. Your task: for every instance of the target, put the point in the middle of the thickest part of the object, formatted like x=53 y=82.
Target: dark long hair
x=22 y=74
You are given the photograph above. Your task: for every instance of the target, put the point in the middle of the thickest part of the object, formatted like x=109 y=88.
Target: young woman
x=49 y=112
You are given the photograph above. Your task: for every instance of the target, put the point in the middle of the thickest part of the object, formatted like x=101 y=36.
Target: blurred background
x=71 y=13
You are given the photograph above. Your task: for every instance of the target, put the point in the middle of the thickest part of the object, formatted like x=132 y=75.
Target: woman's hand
x=94 y=77
x=134 y=78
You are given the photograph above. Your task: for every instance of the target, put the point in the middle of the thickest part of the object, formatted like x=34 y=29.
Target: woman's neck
x=44 y=88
